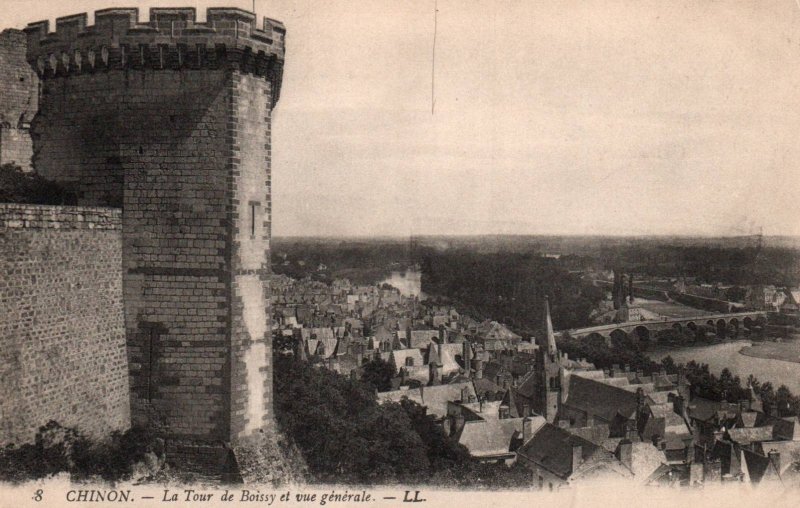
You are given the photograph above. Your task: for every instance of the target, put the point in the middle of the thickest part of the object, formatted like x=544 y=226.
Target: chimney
x=464 y=394
x=631 y=431
x=589 y=419
x=527 y=429
x=504 y=412
x=563 y=424
x=480 y=401
x=435 y=376
x=477 y=364
x=775 y=458
x=577 y=456
x=458 y=423
x=467 y=355
x=526 y=410
x=625 y=453
x=679 y=406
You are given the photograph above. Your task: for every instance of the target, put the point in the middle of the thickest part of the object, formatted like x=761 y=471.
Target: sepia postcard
x=376 y=253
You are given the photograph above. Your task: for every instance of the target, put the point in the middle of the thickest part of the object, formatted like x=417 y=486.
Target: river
x=726 y=354
x=409 y=283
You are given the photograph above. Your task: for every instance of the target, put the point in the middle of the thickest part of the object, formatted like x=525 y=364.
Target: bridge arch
x=642 y=333
x=748 y=322
x=618 y=335
x=722 y=328
x=595 y=336
x=678 y=328
x=761 y=321
x=734 y=323
x=691 y=325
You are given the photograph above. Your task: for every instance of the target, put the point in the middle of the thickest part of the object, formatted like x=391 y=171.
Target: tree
x=18 y=186
x=346 y=437
x=378 y=373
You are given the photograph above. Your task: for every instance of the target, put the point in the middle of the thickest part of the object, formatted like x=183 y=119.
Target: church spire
x=551 y=338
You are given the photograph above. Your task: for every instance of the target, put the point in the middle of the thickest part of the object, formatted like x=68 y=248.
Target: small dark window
x=254 y=205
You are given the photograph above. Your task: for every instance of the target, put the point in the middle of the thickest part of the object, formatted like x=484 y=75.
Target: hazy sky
x=576 y=117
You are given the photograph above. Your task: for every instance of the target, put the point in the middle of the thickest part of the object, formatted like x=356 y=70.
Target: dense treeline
x=361 y=261
x=346 y=437
x=739 y=266
x=703 y=383
x=509 y=288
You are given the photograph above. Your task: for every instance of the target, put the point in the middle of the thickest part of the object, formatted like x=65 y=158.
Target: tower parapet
x=171 y=39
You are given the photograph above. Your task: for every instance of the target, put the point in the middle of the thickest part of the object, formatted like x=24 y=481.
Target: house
x=434 y=398
x=488 y=429
x=558 y=458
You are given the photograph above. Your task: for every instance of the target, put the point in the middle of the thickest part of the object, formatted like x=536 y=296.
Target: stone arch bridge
x=723 y=325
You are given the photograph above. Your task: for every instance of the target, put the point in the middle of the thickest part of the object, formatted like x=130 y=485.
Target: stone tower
x=18 y=96
x=170 y=120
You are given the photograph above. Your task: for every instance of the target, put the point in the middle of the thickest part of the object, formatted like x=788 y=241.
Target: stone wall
x=251 y=360
x=170 y=120
x=18 y=99
x=62 y=333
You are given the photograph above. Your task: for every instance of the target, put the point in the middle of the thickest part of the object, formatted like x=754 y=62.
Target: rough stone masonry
x=170 y=121
x=62 y=330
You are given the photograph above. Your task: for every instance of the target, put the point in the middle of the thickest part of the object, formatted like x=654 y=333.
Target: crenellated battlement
x=171 y=39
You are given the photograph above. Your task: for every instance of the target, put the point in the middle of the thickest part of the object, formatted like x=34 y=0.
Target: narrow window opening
x=152 y=338
x=253 y=216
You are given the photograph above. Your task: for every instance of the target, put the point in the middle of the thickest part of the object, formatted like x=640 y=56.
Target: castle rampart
x=62 y=332
x=172 y=39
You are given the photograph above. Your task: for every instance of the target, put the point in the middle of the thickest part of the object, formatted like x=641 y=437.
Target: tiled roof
x=747 y=435
x=645 y=459
x=421 y=338
x=600 y=399
x=759 y=467
x=483 y=386
x=435 y=398
x=748 y=418
x=551 y=448
x=787 y=428
x=597 y=434
x=447 y=357
x=485 y=438
x=398 y=395
x=527 y=388
x=788 y=450
x=399 y=356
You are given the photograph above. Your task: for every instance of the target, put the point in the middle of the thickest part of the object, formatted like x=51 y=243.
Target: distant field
x=669 y=309
x=786 y=351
